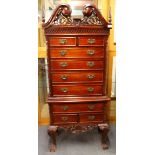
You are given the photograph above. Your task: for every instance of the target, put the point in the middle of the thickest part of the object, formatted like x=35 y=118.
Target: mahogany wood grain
x=74 y=51
x=82 y=107
x=77 y=65
x=77 y=90
x=89 y=52
x=96 y=41
x=62 y=41
x=93 y=117
x=65 y=118
x=77 y=77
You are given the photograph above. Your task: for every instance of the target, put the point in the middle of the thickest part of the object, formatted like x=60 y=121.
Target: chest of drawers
x=77 y=62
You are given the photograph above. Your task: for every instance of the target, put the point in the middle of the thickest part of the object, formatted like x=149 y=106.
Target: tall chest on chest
x=77 y=62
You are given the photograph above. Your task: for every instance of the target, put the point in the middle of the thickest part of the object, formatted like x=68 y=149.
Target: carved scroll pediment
x=90 y=14
x=62 y=16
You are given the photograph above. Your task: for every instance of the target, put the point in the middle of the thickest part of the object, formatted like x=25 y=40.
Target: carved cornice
x=62 y=17
x=75 y=30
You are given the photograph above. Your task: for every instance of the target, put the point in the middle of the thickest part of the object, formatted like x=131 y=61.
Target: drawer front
x=76 y=65
x=77 y=53
x=63 y=119
x=62 y=41
x=77 y=77
x=76 y=107
x=93 y=117
x=91 y=41
x=76 y=90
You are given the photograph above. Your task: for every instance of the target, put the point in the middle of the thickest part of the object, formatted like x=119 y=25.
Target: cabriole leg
x=104 y=132
x=52 y=131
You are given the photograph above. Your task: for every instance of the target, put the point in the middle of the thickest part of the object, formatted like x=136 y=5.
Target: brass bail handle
x=65 y=118
x=63 y=64
x=91 y=41
x=65 y=107
x=91 y=107
x=64 y=90
x=90 y=52
x=63 y=52
x=64 y=77
x=63 y=41
x=91 y=117
x=90 y=89
x=90 y=63
x=90 y=76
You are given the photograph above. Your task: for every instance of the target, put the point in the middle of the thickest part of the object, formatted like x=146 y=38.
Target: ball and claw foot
x=52 y=133
x=105 y=145
x=104 y=128
x=53 y=148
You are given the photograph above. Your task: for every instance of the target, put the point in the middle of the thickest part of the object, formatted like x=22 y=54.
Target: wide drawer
x=62 y=41
x=72 y=77
x=63 y=119
x=77 y=52
x=77 y=90
x=93 y=117
x=92 y=41
x=76 y=64
x=77 y=107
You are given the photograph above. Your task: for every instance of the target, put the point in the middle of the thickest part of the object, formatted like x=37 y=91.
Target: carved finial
x=43 y=11
x=109 y=19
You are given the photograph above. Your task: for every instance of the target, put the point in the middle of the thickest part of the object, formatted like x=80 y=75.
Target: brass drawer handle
x=64 y=77
x=91 y=41
x=90 y=63
x=91 y=76
x=65 y=107
x=63 y=41
x=65 y=118
x=90 y=89
x=63 y=52
x=91 y=117
x=63 y=64
x=91 y=107
x=64 y=90
x=90 y=52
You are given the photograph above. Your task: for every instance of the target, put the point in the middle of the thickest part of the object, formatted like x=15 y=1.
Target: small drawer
x=76 y=65
x=77 y=90
x=77 y=53
x=91 y=41
x=73 y=77
x=93 y=117
x=77 y=107
x=63 y=119
x=62 y=41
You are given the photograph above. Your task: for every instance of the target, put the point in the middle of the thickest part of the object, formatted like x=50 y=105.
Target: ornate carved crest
x=90 y=16
x=61 y=21
x=63 y=16
x=77 y=128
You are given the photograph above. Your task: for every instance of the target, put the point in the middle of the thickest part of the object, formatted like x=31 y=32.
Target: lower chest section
x=72 y=113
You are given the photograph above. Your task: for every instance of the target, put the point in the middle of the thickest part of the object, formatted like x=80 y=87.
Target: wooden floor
x=88 y=143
